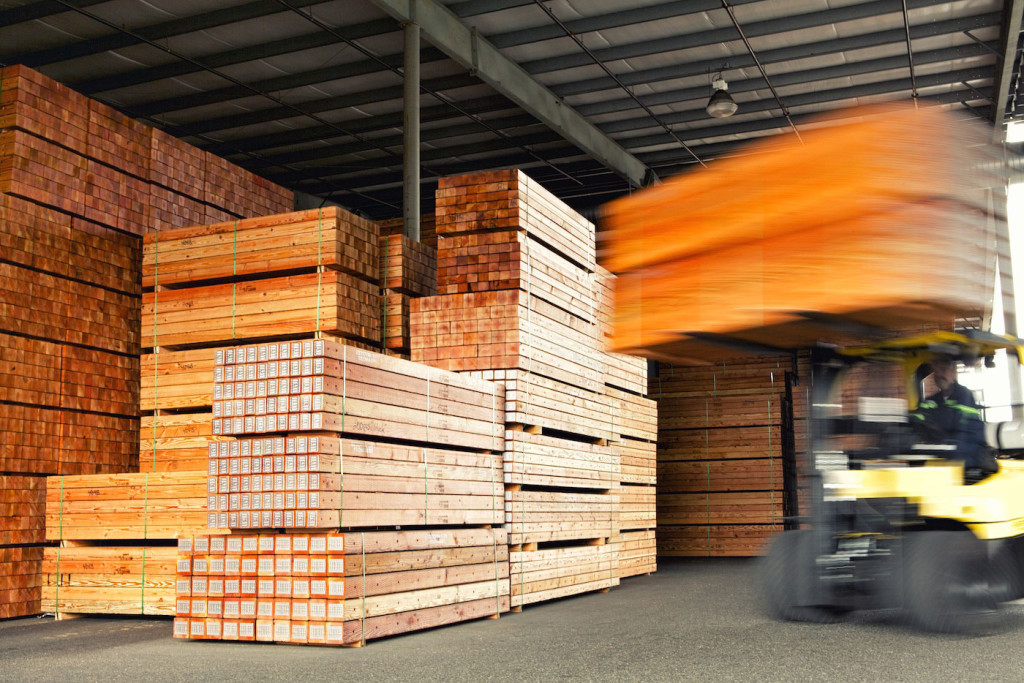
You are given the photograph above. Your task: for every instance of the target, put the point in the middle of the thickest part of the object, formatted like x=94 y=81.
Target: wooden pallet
x=548 y=574
x=92 y=579
x=320 y=385
x=332 y=301
x=330 y=237
x=302 y=481
x=638 y=552
x=20 y=579
x=126 y=506
x=366 y=586
x=506 y=330
x=22 y=507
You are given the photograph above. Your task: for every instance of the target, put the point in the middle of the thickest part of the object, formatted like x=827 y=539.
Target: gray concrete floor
x=694 y=620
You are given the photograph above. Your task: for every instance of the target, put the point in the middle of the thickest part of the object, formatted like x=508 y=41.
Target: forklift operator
x=949 y=414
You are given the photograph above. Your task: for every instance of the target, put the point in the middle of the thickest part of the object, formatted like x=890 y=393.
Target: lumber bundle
x=730 y=436
x=396 y=226
x=536 y=459
x=540 y=516
x=176 y=379
x=638 y=461
x=176 y=442
x=319 y=385
x=638 y=552
x=20 y=579
x=102 y=579
x=333 y=302
x=327 y=482
x=125 y=506
x=329 y=237
x=637 y=507
x=552 y=573
x=509 y=329
x=22 y=506
x=337 y=589
x=845 y=228
x=408 y=270
x=496 y=200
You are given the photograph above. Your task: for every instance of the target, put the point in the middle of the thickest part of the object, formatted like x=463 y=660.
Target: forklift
x=894 y=522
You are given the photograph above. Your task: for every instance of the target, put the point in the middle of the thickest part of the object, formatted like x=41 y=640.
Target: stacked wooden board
x=408 y=270
x=728 y=447
x=517 y=305
x=337 y=589
x=850 y=223
x=396 y=226
x=79 y=183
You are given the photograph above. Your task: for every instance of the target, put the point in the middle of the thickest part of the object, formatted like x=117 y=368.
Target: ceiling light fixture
x=721 y=103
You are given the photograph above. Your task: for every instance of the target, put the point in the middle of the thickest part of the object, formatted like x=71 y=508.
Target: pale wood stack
x=408 y=270
x=852 y=223
x=730 y=438
x=518 y=305
x=337 y=589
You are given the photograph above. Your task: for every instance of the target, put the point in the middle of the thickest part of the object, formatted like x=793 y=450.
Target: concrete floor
x=694 y=620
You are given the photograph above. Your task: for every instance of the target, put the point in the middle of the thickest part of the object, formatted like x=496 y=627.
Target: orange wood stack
x=79 y=184
x=852 y=222
x=517 y=305
x=396 y=226
x=408 y=270
x=727 y=455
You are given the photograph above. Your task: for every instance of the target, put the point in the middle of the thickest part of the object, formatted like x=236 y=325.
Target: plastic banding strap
x=145 y=510
x=156 y=348
x=319 y=270
x=60 y=543
x=234 y=272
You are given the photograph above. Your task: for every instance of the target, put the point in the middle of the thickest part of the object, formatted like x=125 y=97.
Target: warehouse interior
x=415 y=195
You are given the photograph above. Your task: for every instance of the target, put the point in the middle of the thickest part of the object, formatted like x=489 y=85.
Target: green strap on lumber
x=145 y=509
x=142 y=598
x=234 y=273
x=319 y=268
x=60 y=543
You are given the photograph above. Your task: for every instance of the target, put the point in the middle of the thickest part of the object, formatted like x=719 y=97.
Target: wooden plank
x=175 y=443
x=110 y=580
x=746 y=507
x=638 y=461
x=177 y=379
x=558 y=572
x=638 y=553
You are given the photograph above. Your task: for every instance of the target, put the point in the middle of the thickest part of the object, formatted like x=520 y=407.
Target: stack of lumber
x=102 y=579
x=852 y=223
x=408 y=270
x=337 y=589
x=79 y=183
x=727 y=453
x=517 y=305
x=20 y=578
x=288 y=274
x=408 y=475
x=428 y=229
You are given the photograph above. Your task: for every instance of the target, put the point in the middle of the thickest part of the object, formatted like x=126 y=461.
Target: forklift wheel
x=780 y=571
x=947 y=583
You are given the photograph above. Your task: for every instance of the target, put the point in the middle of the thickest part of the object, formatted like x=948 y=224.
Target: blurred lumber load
x=853 y=224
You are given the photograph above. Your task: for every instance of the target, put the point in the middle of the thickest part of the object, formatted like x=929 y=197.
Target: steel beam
x=411 y=133
x=1013 y=13
x=463 y=44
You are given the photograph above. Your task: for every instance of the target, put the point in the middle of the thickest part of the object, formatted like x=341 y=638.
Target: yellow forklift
x=894 y=522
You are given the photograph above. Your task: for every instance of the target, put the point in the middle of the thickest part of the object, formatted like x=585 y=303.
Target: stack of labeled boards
x=517 y=305
x=852 y=224
x=730 y=443
x=337 y=589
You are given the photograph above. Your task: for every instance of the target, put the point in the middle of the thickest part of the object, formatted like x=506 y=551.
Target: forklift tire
x=780 y=572
x=947 y=583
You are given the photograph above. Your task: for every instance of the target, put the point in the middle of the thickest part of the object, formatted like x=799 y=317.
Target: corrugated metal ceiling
x=309 y=92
